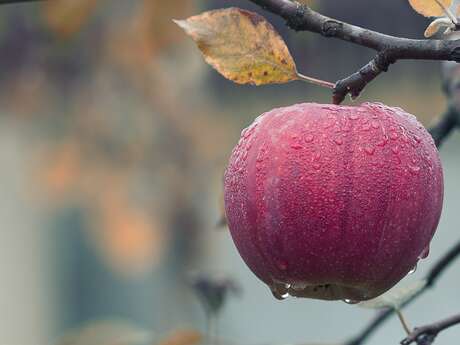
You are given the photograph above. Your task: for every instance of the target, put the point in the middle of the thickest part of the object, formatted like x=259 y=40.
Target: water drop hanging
x=350 y=301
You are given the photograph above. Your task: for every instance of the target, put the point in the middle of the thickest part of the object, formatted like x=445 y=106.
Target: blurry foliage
x=183 y=337
x=119 y=126
x=66 y=17
x=107 y=332
x=122 y=332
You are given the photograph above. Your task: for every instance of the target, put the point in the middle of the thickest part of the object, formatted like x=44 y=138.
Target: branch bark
x=389 y=48
x=426 y=335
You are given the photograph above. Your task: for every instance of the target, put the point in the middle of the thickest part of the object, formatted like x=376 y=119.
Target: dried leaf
x=242 y=46
x=395 y=297
x=432 y=29
x=430 y=8
x=436 y=25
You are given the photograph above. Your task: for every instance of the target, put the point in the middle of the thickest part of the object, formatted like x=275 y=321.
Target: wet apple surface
x=333 y=202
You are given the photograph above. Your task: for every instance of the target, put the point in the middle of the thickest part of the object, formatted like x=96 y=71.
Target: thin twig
x=355 y=83
x=389 y=48
x=451 y=117
x=444 y=126
x=425 y=335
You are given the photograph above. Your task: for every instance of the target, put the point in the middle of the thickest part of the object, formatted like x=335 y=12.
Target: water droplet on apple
x=247 y=132
x=393 y=135
x=280 y=296
x=414 y=169
x=382 y=142
x=354 y=117
x=350 y=301
x=412 y=271
x=404 y=137
x=369 y=150
x=282 y=264
x=338 y=141
x=424 y=254
x=309 y=138
x=280 y=291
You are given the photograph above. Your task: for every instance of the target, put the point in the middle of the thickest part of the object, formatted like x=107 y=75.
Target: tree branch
x=445 y=125
x=356 y=83
x=432 y=276
x=451 y=117
x=390 y=48
x=426 y=335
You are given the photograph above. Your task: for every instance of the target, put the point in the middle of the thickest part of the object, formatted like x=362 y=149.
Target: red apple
x=333 y=202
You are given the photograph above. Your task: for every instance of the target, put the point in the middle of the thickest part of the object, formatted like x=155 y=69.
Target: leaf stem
x=315 y=81
x=448 y=12
x=403 y=321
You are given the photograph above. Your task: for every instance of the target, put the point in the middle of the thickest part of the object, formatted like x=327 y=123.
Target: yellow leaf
x=431 y=30
x=242 y=46
x=437 y=25
x=430 y=8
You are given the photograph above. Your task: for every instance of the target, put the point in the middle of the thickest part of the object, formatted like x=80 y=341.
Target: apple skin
x=333 y=202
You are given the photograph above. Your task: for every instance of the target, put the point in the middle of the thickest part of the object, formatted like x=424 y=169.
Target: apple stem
x=315 y=81
x=403 y=321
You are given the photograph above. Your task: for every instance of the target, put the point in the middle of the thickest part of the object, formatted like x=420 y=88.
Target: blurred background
x=114 y=136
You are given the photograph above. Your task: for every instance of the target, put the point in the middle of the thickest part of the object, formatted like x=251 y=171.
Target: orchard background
x=114 y=138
